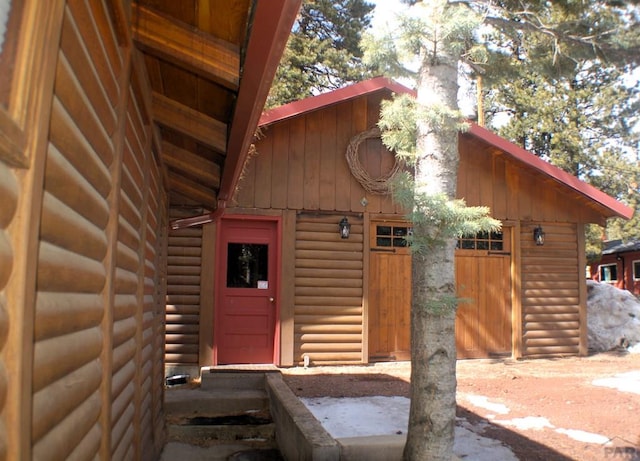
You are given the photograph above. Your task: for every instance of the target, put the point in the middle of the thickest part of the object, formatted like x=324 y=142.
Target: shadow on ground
x=345 y=385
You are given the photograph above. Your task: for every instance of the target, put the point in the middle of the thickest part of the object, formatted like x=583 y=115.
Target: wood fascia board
x=185 y=161
x=188 y=121
x=193 y=191
x=270 y=31
x=192 y=49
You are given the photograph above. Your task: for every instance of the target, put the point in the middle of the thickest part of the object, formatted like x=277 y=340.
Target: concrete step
x=215 y=378
x=256 y=430
x=229 y=406
x=190 y=403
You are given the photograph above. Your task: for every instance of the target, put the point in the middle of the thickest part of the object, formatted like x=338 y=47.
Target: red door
x=246 y=307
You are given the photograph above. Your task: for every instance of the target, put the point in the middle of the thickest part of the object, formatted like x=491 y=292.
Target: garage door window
x=392 y=236
x=489 y=241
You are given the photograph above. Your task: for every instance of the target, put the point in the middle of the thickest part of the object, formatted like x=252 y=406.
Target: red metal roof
x=320 y=101
x=530 y=160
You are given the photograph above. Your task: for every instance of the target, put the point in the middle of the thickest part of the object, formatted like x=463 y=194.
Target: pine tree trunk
x=433 y=349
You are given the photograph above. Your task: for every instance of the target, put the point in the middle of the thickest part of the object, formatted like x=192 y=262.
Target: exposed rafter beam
x=200 y=53
x=189 y=163
x=207 y=130
x=194 y=191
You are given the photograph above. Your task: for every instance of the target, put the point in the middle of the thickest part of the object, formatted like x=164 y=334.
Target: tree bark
x=433 y=348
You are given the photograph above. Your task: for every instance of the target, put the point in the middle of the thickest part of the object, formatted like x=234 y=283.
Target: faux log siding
x=67 y=371
x=127 y=321
x=328 y=291
x=183 y=294
x=8 y=205
x=300 y=164
x=155 y=292
x=70 y=318
x=550 y=291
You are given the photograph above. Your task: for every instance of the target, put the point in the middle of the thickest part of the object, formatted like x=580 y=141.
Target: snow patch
x=625 y=382
x=366 y=416
x=481 y=401
x=469 y=445
x=360 y=416
x=613 y=318
x=530 y=422
x=583 y=436
x=538 y=423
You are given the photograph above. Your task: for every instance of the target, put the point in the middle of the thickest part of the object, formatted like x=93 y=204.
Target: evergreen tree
x=439 y=37
x=582 y=116
x=323 y=52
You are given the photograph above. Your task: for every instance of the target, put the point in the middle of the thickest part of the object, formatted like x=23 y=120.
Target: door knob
x=271 y=299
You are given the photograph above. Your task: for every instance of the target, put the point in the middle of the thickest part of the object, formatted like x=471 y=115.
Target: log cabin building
x=118 y=117
x=619 y=265
x=279 y=283
x=112 y=112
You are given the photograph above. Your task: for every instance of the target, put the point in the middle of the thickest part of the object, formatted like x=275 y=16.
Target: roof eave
x=615 y=208
x=272 y=24
x=323 y=100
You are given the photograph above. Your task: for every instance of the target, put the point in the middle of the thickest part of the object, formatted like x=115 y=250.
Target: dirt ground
x=559 y=390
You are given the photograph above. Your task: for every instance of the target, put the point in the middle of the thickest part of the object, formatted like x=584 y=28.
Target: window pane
x=636 y=270
x=383 y=241
x=383 y=230
x=609 y=273
x=468 y=245
x=247 y=263
x=399 y=242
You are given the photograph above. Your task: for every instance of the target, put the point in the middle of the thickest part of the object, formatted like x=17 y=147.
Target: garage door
x=483 y=322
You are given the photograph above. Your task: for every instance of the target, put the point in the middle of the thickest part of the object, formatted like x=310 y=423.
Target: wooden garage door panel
x=483 y=323
x=390 y=306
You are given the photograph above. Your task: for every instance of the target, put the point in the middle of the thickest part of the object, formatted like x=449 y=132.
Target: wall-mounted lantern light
x=345 y=228
x=538 y=236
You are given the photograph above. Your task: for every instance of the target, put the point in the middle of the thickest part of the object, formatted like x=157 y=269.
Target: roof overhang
x=614 y=207
x=272 y=24
x=209 y=65
x=608 y=206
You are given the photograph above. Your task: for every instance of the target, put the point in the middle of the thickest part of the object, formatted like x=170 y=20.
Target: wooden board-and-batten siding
x=85 y=350
x=328 y=325
x=300 y=164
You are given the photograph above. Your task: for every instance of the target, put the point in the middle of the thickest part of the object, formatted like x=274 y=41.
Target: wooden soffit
x=210 y=64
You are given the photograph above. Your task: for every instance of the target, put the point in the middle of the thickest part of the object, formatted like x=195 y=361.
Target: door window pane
x=247 y=263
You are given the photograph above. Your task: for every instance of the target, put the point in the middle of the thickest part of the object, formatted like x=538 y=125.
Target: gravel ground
x=543 y=409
